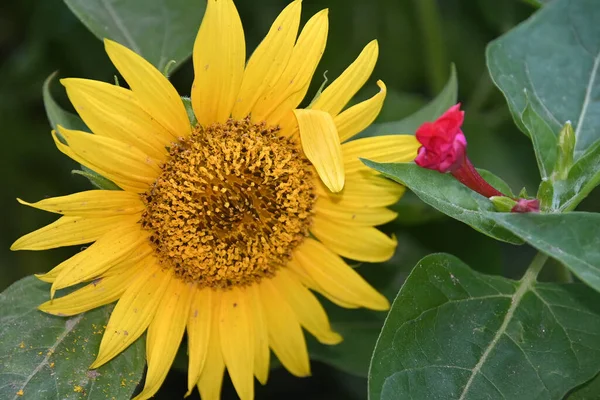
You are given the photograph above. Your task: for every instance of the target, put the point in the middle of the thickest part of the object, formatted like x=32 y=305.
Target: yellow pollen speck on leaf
x=231 y=204
x=20 y=392
x=22 y=345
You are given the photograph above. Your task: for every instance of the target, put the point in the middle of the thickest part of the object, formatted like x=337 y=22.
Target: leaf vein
x=120 y=26
x=524 y=286
x=587 y=98
x=70 y=324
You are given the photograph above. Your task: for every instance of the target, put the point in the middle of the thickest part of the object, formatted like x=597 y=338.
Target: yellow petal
x=237 y=341
x=261 y=335
x=123 y=164
x=112 y=248
x=285 y=334
x=152 y=89
x=198 y=334
x=292 y=85
x=353 y=216
x=133 y=313
x=269 y=59
x=127 y=263
x=307 y=308
x=385 y=149
x=70 y=231
x=322 y=147
x=92 y=203
x=115 y=112
x=211 y=378
x=362 y=243
x=303 y=276
x=165 y=333
x=98 y=293
x=335 y=97
x=366 y=189
x=358 y=117
x=337 y=278
x=219 y=58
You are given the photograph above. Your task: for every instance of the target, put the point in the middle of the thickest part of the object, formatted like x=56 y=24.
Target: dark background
x=418 y=41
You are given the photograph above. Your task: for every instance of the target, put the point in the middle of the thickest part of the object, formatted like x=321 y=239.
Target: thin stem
x=430 y=23
x=534 y=269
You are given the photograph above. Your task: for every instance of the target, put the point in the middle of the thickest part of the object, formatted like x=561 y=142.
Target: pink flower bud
x=443 y=142
x=525 y=206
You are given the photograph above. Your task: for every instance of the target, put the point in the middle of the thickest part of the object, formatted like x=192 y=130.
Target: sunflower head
x=224 y=228
x=222 y=192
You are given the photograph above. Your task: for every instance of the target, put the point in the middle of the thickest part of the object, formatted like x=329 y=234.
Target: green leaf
x=187 y=102
x=444 y=100
x=96 y=179
x=589 y=391
x=446 y=194
x=537 y=3
x=56 y=115
x=47 y=357
x=159 y=31
x=360 y=327
x=560 y=40
x=544 y=141
x=572 y=238
x=453 y=333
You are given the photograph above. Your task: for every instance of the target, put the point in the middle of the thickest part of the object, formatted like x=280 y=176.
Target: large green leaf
x=561 y=40
x=589 y=391
x=444 y=100
x=446 y=194
x=47 y=357
x=159 y=31
x=453 y=333
x=572 y=238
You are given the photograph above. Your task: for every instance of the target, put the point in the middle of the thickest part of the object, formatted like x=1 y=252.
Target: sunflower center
x=231 y=204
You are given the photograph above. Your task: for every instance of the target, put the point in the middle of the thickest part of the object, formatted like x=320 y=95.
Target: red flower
x=443 y=142
x=444 y=149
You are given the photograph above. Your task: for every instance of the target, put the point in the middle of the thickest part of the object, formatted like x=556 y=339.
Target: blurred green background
x=418 y=41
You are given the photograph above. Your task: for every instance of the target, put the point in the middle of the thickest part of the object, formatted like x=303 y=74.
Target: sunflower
x=230 y=218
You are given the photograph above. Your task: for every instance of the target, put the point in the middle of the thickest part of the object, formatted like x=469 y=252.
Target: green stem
x=534 y=269
x=430 y=23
